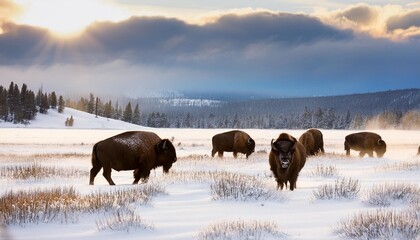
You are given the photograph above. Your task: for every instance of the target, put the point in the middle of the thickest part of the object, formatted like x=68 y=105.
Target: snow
x=187 y=208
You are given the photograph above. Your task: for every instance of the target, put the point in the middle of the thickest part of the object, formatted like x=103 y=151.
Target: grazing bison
x=365 y=142
x=232 y=141
x=313 y=141
x=136 y=150
x=287 y=157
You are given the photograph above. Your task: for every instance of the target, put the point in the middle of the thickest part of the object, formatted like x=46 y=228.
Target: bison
x=135 y=150
x=233 y=141
x=287 y=157
x=313 y=141
x=365 y=142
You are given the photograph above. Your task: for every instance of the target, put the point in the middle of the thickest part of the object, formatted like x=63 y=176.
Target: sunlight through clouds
x=67 y=18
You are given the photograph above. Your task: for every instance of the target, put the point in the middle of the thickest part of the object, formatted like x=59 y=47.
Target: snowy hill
x=82 y=120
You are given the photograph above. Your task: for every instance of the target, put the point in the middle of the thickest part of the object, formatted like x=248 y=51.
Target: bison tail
x=95 y=161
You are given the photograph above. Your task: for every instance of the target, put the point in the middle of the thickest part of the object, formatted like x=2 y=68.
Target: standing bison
x=365 y=142
x=287 y=157
x=136 y=150
x=232 y=141
x=313 y=141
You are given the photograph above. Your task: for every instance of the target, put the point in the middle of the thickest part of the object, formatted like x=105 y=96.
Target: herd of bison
x=143 y=151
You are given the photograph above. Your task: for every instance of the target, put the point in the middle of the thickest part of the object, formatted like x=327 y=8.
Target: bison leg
x=93 y=172
x=280 y=185
x=107 y=175
x=220 y=154
x=213 y=152
x=141 y=175
x=370 y=153
x=235 y=154
x=362 y=153
x=347 y=148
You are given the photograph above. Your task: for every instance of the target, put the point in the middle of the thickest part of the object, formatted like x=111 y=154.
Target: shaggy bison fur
x=365 y=142
x=233 y=141
x=313 y=141
x=287 y=157
x=136 y=150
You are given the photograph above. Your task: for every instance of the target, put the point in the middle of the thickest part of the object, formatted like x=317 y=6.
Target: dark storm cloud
x=149 y=39
x=404 y=21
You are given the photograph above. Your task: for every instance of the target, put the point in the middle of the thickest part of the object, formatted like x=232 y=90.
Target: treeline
x=22 y=105
x=324 y=118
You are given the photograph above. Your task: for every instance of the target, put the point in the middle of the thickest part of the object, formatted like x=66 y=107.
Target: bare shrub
x=343 y=188
x=324 y=171
x=383 y=195
x=403 y=166
x=238 y=230
x=36 y=171
x=233 y=186
x=122 y=219
x=380 y=224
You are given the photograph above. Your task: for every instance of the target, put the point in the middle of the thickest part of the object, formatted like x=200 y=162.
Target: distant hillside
x=348 y=111
x=365 y=104
x=82 y=120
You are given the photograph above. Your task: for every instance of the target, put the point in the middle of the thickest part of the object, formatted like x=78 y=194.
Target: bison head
x=380 y=148
x=284 y=150
x=250 y=146
x=166 y=154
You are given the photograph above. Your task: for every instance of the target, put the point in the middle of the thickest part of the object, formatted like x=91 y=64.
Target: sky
x=263 y=48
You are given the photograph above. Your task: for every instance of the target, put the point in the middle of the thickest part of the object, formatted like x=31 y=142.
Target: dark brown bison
x=233 y=141
x=313 y=141
x=136 y=150
x=365 y=142
x=287 y=157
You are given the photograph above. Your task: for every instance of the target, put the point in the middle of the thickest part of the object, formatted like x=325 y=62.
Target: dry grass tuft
x=324 y=171
x=343 y=188
x=63 y=204
x=238 y=230
x=36 y=171
x=383 y=195
x=381 y=224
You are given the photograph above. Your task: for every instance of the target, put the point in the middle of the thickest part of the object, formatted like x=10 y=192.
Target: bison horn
x=273 y=146
x=164 y=144
x=249 y=140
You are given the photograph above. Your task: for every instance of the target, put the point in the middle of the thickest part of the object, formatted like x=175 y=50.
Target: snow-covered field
x=189 y=205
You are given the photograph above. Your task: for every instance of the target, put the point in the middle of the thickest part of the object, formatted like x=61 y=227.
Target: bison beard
x=287 y=158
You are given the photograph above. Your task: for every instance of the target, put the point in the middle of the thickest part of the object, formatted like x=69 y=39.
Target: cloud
x=8 y=10
x=390 y=21
x=278 y=54
x=151 y=39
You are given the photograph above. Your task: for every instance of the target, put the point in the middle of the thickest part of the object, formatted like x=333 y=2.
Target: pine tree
x=91 y=104
x=306 y=119
x=43 y=108
x=4 y=108
x=128 y=113
x=108 y=110
x=18 y=110
x=53 y=100
x=61 y=104
x=136 y=115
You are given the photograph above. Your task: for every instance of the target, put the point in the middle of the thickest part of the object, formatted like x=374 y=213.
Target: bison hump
x=131 y=142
